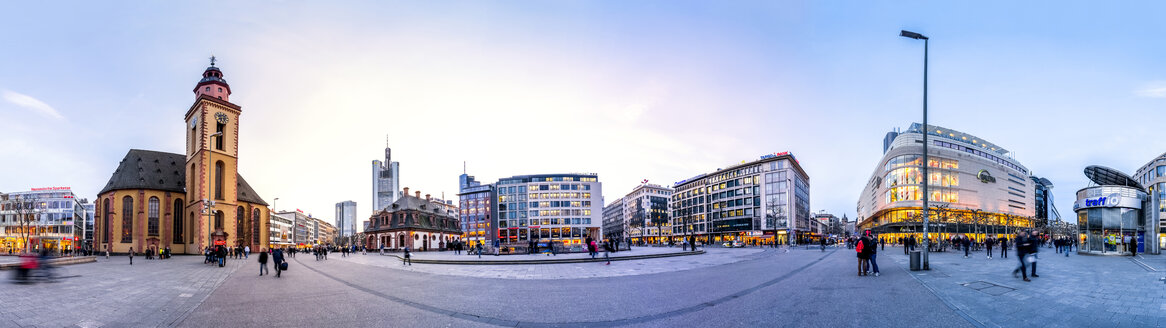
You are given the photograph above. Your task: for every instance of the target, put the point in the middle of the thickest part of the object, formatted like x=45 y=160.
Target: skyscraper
x=386 y=182
x=345 y=221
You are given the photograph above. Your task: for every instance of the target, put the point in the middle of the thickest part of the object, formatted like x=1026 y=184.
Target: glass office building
x=759 y=201
x=50 y=219
x=1109 y=214
x=975 y=187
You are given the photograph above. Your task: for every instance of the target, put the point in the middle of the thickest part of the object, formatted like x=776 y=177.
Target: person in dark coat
x=277 y=260
x=1003 y=247
x=263 y=263
x=1033 y=248
x=1022 y=245
x=988 y=244
x=131 y=256
x=408 y=257
x=967 y=245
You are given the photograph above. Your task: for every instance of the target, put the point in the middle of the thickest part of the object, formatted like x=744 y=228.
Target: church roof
x=155 y=170
x=147 y=169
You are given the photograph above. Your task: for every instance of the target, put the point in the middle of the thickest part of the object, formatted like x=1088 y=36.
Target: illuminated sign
x=51 y=188
x=986 y=177
x=1108 y=201
x=768 y=156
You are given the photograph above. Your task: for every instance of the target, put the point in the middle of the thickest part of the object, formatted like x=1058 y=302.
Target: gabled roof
x=155 y=170
x=245 y=193
x=147 y=169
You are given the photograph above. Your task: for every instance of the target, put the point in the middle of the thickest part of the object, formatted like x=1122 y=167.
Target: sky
x=630 y=90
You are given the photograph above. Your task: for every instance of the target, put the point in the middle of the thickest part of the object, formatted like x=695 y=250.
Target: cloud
x=1155 y=89
x=29 y=102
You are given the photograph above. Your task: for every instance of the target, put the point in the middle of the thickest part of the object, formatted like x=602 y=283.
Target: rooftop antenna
x=463 y=167
x=386 y=140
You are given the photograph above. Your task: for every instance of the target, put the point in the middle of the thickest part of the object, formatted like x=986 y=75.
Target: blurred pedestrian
x=1022 y=244
x=407 y=258
x=131 y=256
x=988 y=244
x=263 y=263
x=1032 y=253
x=277 y=261
x=607 y=251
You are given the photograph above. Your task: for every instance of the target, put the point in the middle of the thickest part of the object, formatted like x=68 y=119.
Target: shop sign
x=774 y=155
x=986 y=177
x=51 y=188
x=1111 y=200
x=220 y=242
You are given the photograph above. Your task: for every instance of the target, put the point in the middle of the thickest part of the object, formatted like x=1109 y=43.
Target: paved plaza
x=749 y=287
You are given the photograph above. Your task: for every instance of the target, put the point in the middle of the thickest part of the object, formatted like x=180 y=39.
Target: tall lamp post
x=926 y=163
x=207 y=206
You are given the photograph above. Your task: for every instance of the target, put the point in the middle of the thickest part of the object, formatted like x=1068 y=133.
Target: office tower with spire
x=386 y=182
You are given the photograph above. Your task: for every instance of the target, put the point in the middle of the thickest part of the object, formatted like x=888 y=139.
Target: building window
x=219 y=139
x=177 y=221
x=254 y=226
x=106 y=229
x=240 y=214
x=127 y=219
x=218 y=220
x=152 y=217
x=219 y=180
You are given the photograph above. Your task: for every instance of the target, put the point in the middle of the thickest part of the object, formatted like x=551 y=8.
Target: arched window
x=178 y=221
x=106 y=230
x=127 y=219
x=152 y=217
x=219 y=139
x=219 y=180
x=240 y=214
x=254 y=227
x=218 y=220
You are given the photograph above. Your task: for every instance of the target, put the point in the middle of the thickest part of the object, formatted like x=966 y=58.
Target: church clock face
x=193 y=122
x=221 y=118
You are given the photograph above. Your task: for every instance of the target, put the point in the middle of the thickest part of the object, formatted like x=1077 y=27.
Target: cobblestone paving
x=1074 y=291
x=713 y=256
x=112 y=293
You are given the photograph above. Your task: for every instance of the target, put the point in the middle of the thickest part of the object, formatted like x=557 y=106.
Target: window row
x=914 y=175
x=984 y=154
x=908 y=193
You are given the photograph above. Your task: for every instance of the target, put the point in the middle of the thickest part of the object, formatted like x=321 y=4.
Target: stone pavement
x=713 y=256
x=1074 y=291
x=113 y=293
x=766 y=289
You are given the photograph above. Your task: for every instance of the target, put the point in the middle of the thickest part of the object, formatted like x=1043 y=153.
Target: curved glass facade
x=1109 y=220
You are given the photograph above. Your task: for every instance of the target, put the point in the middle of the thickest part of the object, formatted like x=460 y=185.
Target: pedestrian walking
x=1003 y=247
x=883 y=242
x=1032 y=253
x=246 y=252
x=1022 y=244
x=606 y=251
x=1133 y=246
x=408 y=257
x=131 y=256
x=967 y=245
x=262 y=262
x=988 y=244
x=873 y=257
x=479 y=250
x=277 y=261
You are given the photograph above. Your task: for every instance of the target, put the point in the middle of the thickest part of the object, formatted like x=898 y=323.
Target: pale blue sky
x=659 y=90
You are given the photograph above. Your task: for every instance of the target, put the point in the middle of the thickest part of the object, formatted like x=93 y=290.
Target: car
x=731 y=244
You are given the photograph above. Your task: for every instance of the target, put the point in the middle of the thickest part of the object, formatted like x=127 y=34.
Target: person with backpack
x=408 y=257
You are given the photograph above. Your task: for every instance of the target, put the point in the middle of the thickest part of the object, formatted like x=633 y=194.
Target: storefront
x=1110 y=217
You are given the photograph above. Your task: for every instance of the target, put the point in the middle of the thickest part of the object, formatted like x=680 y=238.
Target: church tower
x=212 y=150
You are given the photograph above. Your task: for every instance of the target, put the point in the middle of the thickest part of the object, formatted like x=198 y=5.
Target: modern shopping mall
x=975 y=187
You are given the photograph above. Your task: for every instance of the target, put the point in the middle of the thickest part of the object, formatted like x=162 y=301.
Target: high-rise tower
x=386 y=182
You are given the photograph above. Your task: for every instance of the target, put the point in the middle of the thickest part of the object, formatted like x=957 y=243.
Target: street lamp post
x=926 y=177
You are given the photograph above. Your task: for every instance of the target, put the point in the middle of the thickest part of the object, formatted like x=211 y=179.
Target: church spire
x=212 y=83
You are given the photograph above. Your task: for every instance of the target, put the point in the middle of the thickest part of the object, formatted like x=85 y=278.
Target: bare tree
x=775 y=216
x=26 y=212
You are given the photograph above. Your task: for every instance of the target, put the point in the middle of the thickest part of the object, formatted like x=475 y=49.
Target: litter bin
x=916 y=260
